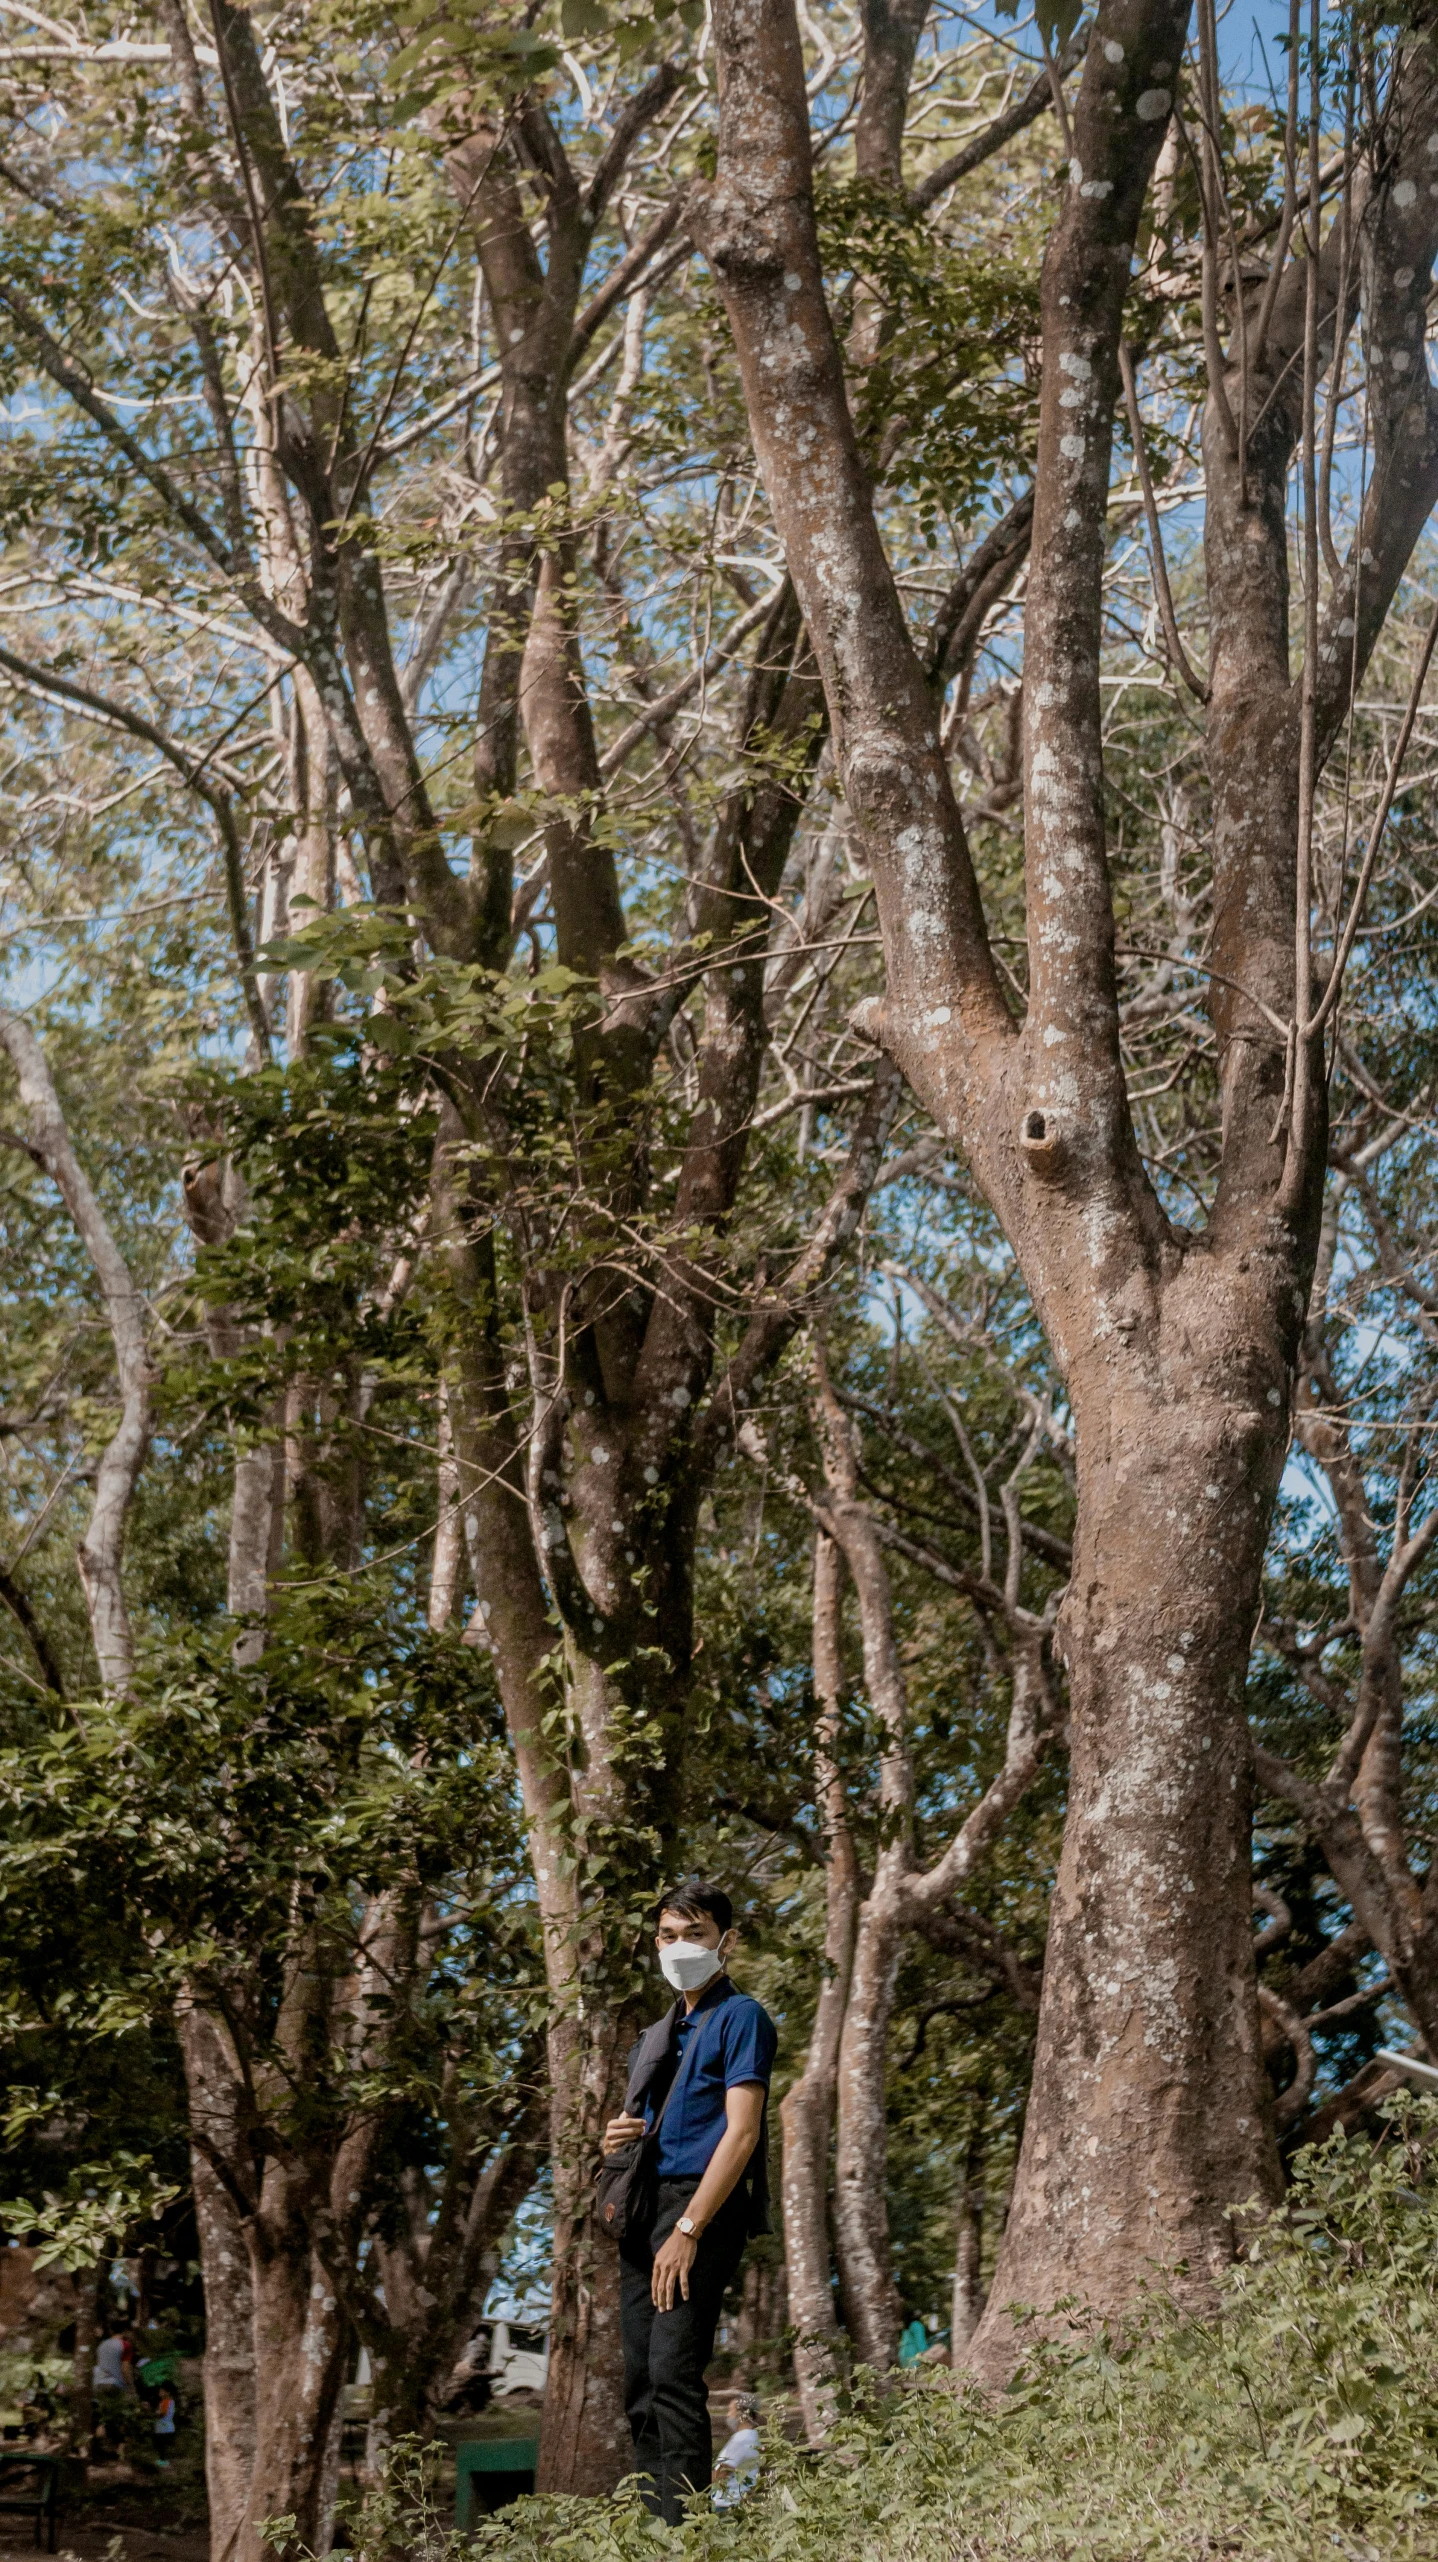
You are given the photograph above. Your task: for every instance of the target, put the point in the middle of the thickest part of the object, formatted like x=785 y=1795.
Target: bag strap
x=673 y=2078
x=674 y=2018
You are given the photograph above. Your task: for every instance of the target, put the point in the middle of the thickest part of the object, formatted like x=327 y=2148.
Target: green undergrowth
x=1300 y=2419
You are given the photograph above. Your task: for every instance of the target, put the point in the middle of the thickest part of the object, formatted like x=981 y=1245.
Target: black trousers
x=665 y=2354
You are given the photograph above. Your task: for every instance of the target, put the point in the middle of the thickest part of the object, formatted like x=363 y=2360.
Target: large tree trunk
x=214 y=2092
x=229 y=2357
x=585 y=2444
x=1147 y=2121
x=1148 y=2060
x=301 y=2342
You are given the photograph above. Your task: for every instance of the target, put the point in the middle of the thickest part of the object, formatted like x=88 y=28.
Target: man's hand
x=672 y=2263
x=622 y=2130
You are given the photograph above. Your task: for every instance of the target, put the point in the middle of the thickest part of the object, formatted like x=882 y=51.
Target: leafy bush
x=1301 y=2419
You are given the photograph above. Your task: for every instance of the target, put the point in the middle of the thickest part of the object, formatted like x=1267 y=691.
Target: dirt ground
x=121 y=2516
x=98 y=2539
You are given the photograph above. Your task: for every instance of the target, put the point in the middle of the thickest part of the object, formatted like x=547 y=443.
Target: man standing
x=698 y=2083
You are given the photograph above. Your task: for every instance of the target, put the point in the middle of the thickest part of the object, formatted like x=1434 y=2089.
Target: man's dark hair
x=698 y=1901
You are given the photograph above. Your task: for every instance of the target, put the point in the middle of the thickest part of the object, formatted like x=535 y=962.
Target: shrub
x=1300 y=2419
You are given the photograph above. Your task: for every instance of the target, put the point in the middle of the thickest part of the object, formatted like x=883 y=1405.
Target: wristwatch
x=686 y=2225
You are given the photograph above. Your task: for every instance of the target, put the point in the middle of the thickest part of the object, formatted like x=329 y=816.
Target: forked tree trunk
x=1147 y=2122
x=1149 y=2119
x=612 y=1611
x=900 y=1893
x=101 y=1550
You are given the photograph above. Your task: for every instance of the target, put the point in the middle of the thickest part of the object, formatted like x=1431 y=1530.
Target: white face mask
x=688 y=1967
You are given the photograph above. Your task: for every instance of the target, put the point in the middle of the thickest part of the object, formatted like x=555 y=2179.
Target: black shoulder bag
x=625 y=2189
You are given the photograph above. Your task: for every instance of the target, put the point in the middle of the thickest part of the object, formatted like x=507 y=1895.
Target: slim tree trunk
x=872 y=2309
x=448 y=1557
x=254 y=1520
x=968 y=2296
x=214 y=1200
x=901 y=1893
x=806 y=2114
x=861 y=2224
x=102 y=1548
x=435 y=2275
x=82 y=2365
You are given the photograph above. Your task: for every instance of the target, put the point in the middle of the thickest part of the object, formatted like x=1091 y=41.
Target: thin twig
x=1169 y=619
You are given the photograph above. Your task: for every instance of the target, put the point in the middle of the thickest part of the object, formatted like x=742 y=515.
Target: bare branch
x=120 y=1464
x=1037 y=100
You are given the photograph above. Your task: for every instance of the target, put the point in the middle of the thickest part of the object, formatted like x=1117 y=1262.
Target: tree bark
x=102 y=1547
x=1149 y=2057
x=229 y=2357
x=872 y=2310
x=213 y=2098
x=81 y=2413
x=585 y=2445
x=968 y=2291
x=301 y=2342
x=806 y=2113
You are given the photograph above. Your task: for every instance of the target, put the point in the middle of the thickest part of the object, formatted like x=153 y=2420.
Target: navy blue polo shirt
x=721 y=2043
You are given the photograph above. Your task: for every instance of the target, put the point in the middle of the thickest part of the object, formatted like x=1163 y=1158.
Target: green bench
x=489 y=2472
x=38 y=2499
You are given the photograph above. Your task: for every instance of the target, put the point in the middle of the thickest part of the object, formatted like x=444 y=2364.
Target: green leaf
x=1057 y=20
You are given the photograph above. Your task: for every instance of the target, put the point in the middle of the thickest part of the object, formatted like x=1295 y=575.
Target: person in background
x=706 y=2066
x=164 y=2420
x=114 y=2363
x=736 y=2466
x=114 y=2375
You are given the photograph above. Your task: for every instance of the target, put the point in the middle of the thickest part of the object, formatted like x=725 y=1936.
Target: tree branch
x=123 y=1457
x=755 y=224
x=17 y=1602
x=775 y=1320
x=192 y=770
x=1036 y=101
